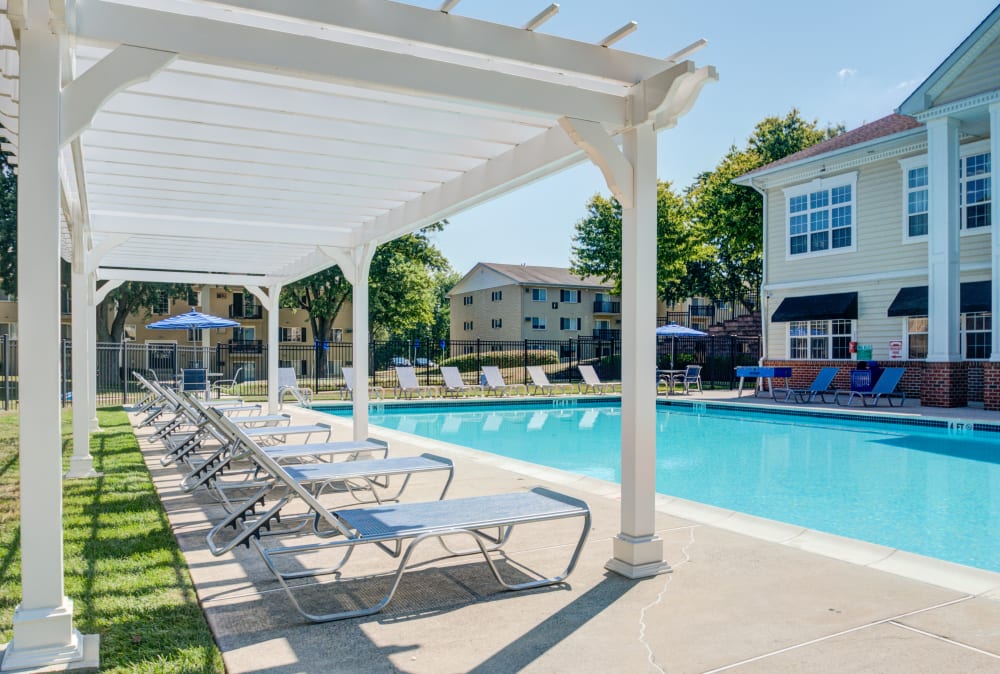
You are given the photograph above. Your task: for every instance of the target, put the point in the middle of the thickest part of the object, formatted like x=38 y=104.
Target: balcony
x=607 y=307
x=246 y=346
x=252 y=312
x=607 y=333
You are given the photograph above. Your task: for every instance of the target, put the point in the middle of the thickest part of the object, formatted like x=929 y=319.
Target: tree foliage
x=680 y=248
x=8 y=227
x=131 y=297
x=730 y=216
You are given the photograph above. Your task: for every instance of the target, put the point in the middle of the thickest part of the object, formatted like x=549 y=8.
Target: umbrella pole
x=673 y=348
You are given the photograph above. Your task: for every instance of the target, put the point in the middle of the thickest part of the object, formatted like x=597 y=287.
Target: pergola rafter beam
x=179 y=276
x=541 y=156
x=223 y=43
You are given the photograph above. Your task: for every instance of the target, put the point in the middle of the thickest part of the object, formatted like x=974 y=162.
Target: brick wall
x=975 y=382
x=991 y=386
x=804 y=371
x=945 y=385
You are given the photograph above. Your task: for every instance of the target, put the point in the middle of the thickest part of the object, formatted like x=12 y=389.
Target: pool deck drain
x=746 y=595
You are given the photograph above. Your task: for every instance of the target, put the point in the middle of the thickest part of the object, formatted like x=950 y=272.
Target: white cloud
x=846 y=73
x=908 y=84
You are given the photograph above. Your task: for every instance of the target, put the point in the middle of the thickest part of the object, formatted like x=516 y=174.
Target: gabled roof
x=881 y=128
x=549 y=276
x=953 y=66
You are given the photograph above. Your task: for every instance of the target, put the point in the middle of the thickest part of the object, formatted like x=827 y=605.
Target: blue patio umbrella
x=192 y=320
x=672 y=330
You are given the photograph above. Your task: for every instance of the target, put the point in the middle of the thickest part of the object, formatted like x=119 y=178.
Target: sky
x=847 y=63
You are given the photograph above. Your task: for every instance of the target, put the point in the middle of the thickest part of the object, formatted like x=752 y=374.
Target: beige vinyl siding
x=878 y=233
x=979 y=77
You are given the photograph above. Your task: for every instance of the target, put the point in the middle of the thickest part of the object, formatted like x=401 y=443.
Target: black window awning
x=912 y=301
x=817 y=307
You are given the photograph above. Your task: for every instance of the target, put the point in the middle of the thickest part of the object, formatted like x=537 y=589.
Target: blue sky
x=849 y=62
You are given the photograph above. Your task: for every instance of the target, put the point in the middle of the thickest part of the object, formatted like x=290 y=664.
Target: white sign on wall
x=895 y=349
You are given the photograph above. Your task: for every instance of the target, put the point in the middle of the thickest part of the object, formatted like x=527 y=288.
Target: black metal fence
x=320 y=366
x=703 y=315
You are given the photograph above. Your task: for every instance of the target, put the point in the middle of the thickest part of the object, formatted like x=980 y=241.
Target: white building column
x=943 y=261
x=43 y=621
x=362 y=260
x=273 y=345
x=638 y=552
x=81 y=463
x=995 y=228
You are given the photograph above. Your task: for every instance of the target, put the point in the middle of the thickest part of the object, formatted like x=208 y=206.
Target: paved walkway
x=734 y=602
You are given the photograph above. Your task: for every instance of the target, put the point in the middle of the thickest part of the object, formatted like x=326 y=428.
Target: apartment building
x=884 y=237
x=516 y=301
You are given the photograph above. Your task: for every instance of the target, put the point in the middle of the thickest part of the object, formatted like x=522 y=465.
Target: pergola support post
x=81 y=464
x=91 y=318
x=273 y=346
x=361 y=257
x=43 y=621
x=638 y=551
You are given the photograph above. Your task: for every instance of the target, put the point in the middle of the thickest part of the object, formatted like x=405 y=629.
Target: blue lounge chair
x=818 y=388
x=884 y=388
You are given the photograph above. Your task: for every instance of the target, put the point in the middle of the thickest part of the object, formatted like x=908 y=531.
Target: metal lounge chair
x=399 y=529
x=287 y=383
x=591 y=382
x=496 y=384
x=453 y=382
x=409 y=385
x=348 y=391
x=884 y=388
x=228 y=387
x=540 y=382
x=819 y=387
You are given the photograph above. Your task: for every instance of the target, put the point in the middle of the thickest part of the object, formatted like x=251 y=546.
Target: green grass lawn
x=124 y=571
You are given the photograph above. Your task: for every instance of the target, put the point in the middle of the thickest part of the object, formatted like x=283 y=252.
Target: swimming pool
x=932 y=491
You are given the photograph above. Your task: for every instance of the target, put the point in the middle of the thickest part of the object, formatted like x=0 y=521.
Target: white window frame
x=467 y=326
x=574 y=296
x=539 y=295
x=573 y=324
x=161 y=298
x=467 y=300
x=852 y=337
x=964 y=152
x=906 y=337
x=538 y=323
x=822 y=184
x=496 y=323
x=963 y=333
x=496 y=296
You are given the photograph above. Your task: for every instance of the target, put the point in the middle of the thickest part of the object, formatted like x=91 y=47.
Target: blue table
x=762 y=373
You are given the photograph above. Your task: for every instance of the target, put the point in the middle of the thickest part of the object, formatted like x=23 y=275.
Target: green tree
x=730 y=216
x=8 y=227
x=597 y=248
x=444 y=281
x=131 y=297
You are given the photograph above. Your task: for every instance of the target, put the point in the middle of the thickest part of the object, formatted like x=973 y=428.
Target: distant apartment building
x=515 y=301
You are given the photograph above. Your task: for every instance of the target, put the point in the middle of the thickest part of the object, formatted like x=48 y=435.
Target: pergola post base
x=39 y=642
x=638 y=557
x=81 y=467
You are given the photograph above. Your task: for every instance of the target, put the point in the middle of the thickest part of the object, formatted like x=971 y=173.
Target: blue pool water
x=926 y=490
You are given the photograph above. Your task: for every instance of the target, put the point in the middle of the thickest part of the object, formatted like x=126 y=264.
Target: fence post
x=479 y=356
x=6 y=372
x=123 y=371
x=732 y=359
x=524 y=369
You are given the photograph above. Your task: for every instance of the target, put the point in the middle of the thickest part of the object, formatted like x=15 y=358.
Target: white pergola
x=253 y=143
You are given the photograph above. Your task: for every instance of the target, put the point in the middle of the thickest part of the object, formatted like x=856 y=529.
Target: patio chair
x=348 y=372
x=591 y=382
x=287 y=383
x=884 y=388
x=195 y=380
x=690 y=379
x=228 y=387
x=453 y=382
x=397 y=529
x=540 y=382
x=496 y=384
x=817 y=389
x=410 y=385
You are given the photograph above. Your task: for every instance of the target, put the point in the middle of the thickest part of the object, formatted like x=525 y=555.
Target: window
x=291 y=334
x=467 y=325
x=538 y=295
x=916 y=337
x=467 y=300
x=974 y=191
x=538 y=323
x=242 y=334
x=820 y=340
x=571 y=296
x=194 y=334
x=8 y=330
x=496 y=295
x=161 y=305
x=976 y=335
x=570 y=323
x=4 y=297
x=821 y=215
x=496 y=323
x=916 y=201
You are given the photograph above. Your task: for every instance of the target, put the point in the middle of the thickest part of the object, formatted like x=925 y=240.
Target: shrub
x=470 y=362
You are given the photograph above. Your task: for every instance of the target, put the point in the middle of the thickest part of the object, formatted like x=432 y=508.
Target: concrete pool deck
x=745 y=594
